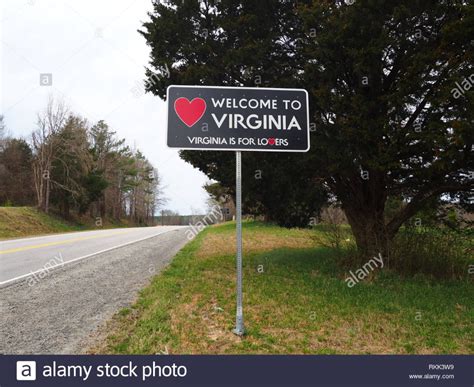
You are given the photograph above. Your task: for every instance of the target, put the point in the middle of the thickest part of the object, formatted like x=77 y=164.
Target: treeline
x=70 y=166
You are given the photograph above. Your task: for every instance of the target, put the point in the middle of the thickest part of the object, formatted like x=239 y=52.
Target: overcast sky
x=96 y=59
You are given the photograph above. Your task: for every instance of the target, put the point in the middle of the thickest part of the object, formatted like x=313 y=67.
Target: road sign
x=238 y=118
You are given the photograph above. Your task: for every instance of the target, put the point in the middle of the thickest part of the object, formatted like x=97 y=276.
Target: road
x=57 y=291
x=32 y=257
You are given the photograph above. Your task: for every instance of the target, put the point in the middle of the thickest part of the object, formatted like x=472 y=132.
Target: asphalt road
x=48 y=306
x=34 y=257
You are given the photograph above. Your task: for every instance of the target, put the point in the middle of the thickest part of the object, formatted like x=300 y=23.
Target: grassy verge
x=18 y=222
x=295 y=301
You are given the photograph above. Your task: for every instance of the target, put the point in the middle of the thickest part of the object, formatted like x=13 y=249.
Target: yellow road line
x=59 y=242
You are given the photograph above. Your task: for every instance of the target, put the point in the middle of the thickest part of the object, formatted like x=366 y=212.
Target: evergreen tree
x=390 y=90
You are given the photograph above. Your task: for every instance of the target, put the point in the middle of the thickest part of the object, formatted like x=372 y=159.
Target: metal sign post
x=237 y=119
x=239 y=317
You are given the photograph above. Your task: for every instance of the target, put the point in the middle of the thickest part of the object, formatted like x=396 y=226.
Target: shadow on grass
x=309 y=282
x=317 y=270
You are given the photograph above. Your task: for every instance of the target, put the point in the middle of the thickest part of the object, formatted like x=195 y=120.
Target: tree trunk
x=38 y=180
x=46 y=197
x=67 y=210
x=368 y=227
x=102 y=207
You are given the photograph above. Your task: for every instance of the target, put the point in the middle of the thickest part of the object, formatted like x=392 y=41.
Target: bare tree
x=3 y=132
x=44 y=139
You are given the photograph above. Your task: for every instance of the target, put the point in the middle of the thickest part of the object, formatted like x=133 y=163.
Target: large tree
x=71 y=166
x=389 y=122
x=203 y=43
x=390 y=89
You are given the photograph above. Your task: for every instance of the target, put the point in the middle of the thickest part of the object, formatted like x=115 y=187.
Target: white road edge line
x=84 y=257
x=71 y=233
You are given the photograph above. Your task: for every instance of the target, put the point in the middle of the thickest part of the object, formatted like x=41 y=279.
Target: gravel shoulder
x=62 y=312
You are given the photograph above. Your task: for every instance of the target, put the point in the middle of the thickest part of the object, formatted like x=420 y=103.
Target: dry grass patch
x=254 y=241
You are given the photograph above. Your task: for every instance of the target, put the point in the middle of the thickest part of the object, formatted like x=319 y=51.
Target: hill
x=18 y=222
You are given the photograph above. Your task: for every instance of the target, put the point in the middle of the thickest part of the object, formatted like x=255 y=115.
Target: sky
x=94 y=58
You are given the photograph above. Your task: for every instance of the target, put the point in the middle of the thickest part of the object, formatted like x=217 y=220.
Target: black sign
x=238 y=118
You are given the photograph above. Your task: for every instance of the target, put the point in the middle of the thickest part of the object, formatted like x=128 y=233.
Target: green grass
x=18 y=222
x=295 y=301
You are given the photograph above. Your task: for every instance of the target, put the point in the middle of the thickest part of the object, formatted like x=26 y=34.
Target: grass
x=19 y=222
x=441 y=252
x=295 y=301
x=437 y=252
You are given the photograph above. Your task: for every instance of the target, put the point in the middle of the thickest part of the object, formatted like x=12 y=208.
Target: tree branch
x=418 y=201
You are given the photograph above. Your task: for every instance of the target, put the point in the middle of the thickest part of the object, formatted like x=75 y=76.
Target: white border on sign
x=238 y=88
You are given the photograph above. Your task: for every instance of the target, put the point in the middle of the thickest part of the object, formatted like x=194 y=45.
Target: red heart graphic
x=271 y=141
x=190 y=112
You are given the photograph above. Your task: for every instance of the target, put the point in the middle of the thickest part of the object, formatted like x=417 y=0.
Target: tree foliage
x=390 y=96
x=16 y=178
x=236 y=44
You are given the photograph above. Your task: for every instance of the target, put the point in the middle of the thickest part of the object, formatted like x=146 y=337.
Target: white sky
x=97 y=59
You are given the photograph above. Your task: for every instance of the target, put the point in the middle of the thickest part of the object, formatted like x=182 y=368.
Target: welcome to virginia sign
x=238 y=118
